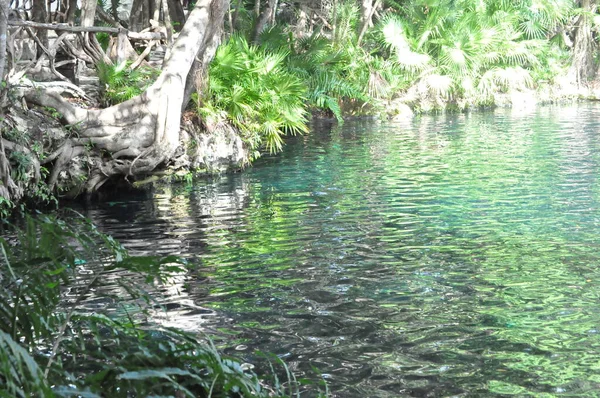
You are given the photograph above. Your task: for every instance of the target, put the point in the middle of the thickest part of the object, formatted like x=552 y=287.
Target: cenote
x=451 y=255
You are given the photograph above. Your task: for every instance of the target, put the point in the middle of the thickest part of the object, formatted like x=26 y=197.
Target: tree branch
x=90 y=29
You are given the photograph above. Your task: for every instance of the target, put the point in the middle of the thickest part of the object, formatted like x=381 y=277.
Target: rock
x=220 y=150
x=398 y=110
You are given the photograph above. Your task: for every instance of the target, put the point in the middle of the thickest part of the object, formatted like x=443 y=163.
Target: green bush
x=256 y=92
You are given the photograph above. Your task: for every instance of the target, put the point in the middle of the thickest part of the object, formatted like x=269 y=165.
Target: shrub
x=257 y=93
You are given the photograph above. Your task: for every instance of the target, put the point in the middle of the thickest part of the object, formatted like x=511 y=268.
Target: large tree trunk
x=177 y=14
x=141 y=13
x=368 y=23
x=71 y=12
x=301 y=23
x=88 y=12
x=142 y=133
x=582 y=67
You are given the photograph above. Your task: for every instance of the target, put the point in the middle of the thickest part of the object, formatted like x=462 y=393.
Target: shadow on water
x=452 y=255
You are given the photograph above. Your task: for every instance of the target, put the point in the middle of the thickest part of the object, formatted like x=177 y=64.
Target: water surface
x=448 y=256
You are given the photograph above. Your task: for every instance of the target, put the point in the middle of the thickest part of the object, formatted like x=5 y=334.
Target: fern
x=121 y=83
x=257 y=92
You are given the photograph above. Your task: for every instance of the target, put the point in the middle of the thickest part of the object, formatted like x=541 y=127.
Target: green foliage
x=53 y=112
x=22 y=166
x=121 y=83
x=51 y=346
x=327 y=71
x=6 y=207
x=103 y=39
x=456 y=49
x=256 y=92
x=456 y=52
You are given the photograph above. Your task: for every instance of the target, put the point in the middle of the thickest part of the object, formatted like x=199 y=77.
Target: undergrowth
x=55 y=343
x=121 y=83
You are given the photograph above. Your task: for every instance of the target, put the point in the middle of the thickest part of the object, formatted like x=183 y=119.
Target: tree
x=136 y=136
x=40 y=14
x=263 y=19
x=582 y=67
x=3 y=31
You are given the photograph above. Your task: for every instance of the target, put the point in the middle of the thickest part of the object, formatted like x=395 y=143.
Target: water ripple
x=452 y=256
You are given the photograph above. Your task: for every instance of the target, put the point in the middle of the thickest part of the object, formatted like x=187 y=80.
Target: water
x=449 y=256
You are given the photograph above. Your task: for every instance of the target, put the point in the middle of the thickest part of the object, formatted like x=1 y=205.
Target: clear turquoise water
x=449 y=256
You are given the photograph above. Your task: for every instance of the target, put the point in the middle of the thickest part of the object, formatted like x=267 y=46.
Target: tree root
x=135 y=137
x=9 y=188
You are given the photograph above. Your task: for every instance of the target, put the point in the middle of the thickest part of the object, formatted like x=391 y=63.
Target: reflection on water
x=448 y=256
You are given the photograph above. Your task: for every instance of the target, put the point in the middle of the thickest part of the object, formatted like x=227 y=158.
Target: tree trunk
x=141 y=13
x=366 y=12
x=142 y=133
x=301 y=22
x=39 y=14
x=264 y=17
x=88 y=12
x=256 y=8
x=177 y=14
x=3 y=35
x=582 y=68
x=334 y=23
x=114 y=9
x=369 y=20
x=71 y=12
x=236 y=13
x=167 y=21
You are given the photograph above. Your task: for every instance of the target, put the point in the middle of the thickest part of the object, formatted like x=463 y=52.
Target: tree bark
x=39 y=14
x=582 y=68
x=366 y=25
x=141 y=13
x=142 y=133
x=88 y=12
x=264 y=18
x=334 y=22
x=71 y=12
x=236 y=13
x=366 y=12
x=3 y=35
x=256 y=8
x=167 y=21
x=177 y=14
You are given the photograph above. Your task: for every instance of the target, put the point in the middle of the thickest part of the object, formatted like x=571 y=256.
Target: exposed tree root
x=137 y=136
x=9 y=188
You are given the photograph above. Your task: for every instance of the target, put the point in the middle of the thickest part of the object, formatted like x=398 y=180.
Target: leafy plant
x=257 y=93
x=121 y=83
x=452 y=49
x=53 y=345
x=104 y=39
x=329 y=72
